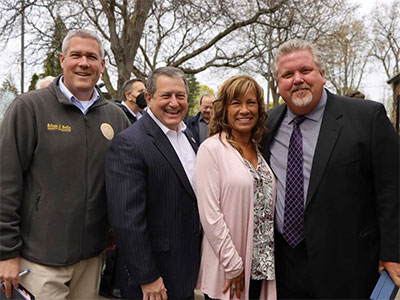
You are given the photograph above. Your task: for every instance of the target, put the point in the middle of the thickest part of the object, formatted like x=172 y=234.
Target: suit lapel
x=328 y=135
x=274 y=120
x=191 y=140
x=162 y=143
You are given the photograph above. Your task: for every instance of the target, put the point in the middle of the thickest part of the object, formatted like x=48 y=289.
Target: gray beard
x=302 y=102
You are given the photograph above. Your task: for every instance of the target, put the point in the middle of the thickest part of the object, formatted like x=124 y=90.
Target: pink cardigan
x=224 y=189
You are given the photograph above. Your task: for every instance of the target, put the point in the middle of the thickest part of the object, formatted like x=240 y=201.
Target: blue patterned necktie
x=293 y=224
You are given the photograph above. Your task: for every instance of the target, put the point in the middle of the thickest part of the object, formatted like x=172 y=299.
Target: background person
x=235 y=189
x=131 y=89
x=44 y=82
x=152 y=205
x=355 y=94
x=198 y=124
x=53 y=143
x=337 y=211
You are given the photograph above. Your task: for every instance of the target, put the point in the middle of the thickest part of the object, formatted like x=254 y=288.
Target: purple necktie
x=293 y=224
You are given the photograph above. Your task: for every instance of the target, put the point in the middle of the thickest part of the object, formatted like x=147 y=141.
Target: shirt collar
x=124 y=104
x=71 y=96
x=201 y=118
x=316 y=113
x=165 y=129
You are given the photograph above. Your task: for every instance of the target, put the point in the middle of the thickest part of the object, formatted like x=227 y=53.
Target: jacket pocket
x=36 y=205
x=32 y=210
x=159 y=244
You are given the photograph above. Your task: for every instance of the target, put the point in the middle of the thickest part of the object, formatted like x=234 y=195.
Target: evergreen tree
x=51 y=64
x=9 y=86
x=8 y=92
x=34 y=80
x=194 y=92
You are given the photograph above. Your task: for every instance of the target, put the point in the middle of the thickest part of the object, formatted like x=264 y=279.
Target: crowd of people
x=299 y=202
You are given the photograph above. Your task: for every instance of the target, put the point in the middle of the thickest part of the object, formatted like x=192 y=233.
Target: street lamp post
x=22 y=43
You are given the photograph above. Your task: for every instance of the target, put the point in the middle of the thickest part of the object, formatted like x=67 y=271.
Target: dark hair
x=236 y=87
x=167 y=71
x=127 y=86
x=206 y=95
x=355 y=94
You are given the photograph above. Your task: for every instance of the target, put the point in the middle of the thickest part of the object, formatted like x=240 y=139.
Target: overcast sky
x=373 y=85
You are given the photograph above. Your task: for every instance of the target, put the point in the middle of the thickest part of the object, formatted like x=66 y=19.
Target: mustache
x=300 y=87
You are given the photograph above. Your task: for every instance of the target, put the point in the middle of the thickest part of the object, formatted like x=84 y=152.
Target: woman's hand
x=235 y=286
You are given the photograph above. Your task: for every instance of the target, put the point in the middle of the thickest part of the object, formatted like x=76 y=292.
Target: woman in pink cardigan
x=236 y=193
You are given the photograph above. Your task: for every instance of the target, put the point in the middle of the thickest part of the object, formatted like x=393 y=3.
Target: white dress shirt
x=181 y=145
x=138 y=115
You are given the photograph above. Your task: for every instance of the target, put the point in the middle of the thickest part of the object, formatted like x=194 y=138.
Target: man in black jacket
x=131 y=88
x=198 y=124
x=336 y=161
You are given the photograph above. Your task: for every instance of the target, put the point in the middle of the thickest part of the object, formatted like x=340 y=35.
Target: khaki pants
x=76 y=282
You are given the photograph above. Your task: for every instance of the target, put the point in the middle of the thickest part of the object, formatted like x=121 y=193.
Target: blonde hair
x=234 y=88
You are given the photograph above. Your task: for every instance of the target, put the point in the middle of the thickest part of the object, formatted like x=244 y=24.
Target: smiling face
x=242 y=115
x=82 y=66
x=169 y=102
x=300 y=81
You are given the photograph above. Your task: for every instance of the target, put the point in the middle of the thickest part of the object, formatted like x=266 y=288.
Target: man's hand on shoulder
x=9 y=270
x=393 y=269
x=154 y=290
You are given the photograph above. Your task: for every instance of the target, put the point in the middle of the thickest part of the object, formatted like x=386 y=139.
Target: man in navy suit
x=198 y=124
x=152 y=205
x=345 y=223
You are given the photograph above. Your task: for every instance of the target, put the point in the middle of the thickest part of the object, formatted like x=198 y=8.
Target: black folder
x=18 y=294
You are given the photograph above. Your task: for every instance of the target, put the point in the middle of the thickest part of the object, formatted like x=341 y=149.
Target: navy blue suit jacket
x=352 y=205
x=152 y=210
x=193 y=124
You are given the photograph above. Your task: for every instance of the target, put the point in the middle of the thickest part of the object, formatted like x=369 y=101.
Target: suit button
x=196 y=233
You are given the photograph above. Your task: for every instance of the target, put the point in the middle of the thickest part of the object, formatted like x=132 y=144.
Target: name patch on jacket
x=58 y=127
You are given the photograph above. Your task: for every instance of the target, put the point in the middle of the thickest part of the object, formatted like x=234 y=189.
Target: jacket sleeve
x=385 y=163
x=209 y=193
x=126 y=200
x=17 y=143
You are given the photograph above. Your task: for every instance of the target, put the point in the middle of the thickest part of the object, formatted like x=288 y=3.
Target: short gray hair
x=296 y=45
x=43 y=80
x=166 y=71
x=82 y=33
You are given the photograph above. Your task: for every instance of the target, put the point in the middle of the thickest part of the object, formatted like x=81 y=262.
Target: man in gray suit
x=152 y=205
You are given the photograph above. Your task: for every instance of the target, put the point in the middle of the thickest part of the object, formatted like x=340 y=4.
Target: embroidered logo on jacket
x=58 y=127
